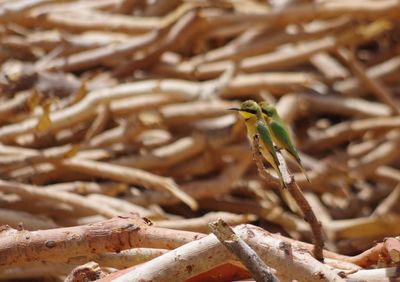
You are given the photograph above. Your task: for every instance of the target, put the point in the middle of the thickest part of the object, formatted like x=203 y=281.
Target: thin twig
x=242 y=251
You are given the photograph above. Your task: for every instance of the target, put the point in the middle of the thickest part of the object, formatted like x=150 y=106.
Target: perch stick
x=296 y=193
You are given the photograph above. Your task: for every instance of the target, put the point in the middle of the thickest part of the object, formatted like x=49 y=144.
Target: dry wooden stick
x=98 y=125
x=359 y=9
x=353 y=87
x=242 y=251
x=113 y=235
x=167 y=155
x=129 y=175
x=387 y=173
x=389 y=203
x=94 y=57
x=179 y=264
x=200 y=224
x=176 y=114
x=77 y=20
x=13 y=105
x=25 y=271
x=81 y=204
x=200 y=189
x=177 y=35
x=161 y=8
x=370 y=227
x=379 y=156
x=81 y=17
x=339 y=105
x=123 y=259
x=123 y=206
x=385 y=274
x=49 y=40
x=277 y=83
x=19 y=219
x=12 y=10
x=377 y=88
x=101 y=5
x=130 y=106
x=296 y=193
x=126 y=132
x=85 y=188
x=263 y=210
x=38 y=156
x=372 y=255
x=346 y=130
x=329 y=66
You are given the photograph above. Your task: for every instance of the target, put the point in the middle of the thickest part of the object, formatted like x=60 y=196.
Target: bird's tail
x=286 y=196
x=297 y=158
x=303 y=170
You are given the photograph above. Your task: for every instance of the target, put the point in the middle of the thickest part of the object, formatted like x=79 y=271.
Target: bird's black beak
x=234 y=109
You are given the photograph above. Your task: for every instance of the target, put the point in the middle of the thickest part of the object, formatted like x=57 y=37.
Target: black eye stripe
x=251 y=111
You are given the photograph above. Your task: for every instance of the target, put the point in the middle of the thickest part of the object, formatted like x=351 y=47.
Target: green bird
x=255 y=124
x=280 y=133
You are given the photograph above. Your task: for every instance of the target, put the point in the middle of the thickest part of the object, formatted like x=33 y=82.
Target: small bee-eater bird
x=255 y=124
x=280 y=133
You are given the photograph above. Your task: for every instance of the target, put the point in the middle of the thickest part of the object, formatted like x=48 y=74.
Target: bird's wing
x=265 y=135
x=282 y=134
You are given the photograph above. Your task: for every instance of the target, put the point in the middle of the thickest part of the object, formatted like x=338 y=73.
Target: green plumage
x=267 y=147
x=280 y=133
x=256 y=125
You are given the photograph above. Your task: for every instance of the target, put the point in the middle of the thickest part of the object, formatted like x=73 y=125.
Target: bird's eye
x=251 y=111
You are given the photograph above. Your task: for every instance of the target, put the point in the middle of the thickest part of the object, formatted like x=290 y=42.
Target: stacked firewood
x=117 y=148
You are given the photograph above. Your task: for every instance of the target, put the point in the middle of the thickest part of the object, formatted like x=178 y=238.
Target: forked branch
x=296 y=193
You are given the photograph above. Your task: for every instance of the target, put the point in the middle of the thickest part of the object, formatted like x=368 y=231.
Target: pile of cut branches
x=117 y=148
